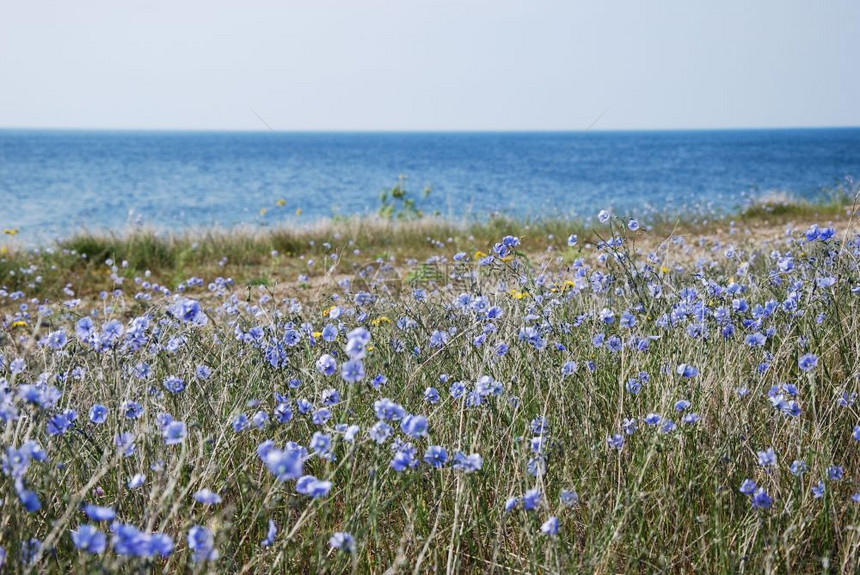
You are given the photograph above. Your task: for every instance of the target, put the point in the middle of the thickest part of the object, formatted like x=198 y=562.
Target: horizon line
x=420 y=131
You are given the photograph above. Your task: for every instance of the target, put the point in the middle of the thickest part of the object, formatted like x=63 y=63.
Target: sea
x=54 y=183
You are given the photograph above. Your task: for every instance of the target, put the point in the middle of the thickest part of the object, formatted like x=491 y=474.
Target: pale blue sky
x=431 y=65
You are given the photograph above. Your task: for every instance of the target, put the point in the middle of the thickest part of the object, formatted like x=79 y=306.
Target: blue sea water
x=56 y=182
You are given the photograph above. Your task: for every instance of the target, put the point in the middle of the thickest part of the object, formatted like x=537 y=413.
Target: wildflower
x=761 y=500
x=569 y=368
x=284 y=464
x=387 y=410
x=240 y=423
x=468 y=463
x=202 y=543
x=550 y=527
x=380 y=432
x=90 y=539
x=18 y=365
x=343 y=541
x=59 y=423
x=132 y=409
x=353 y=371
x=835 y=472
x=125 y=443
x=57 y=340
x=270 y=535
x=687 y=371
x=457 y=389
x=818 y=490
x=321 y=416
x=414 y=425
x=129 y=540
x=537 y=466
x=98 y=414
x=511 y=504
x=313 y=487
x=439 y=338
x=436 y=456
x=531 y=499
x=326 y=365
x=188 y=311
x=356 y=348
x=616 y=441
x=260 y=419
x=569 y=498
x=99 y=513
x=808 y=362
x=174 y=384
x=29 y=499
x=653 y=419
x=756 y=340
x=174 y=433
x=207 y=497
x=136 y=481
x=748 y=487
x=284 y=412
x=431 y=395
x=329 y=333
x=404 y=458
x=798 y=467
x=320 y=443
x=630 y=425
x=572 y=240
x=767 y=458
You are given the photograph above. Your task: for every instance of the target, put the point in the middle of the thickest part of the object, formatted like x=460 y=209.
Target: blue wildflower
x=202 y=544
x=551 y=527
x=90 y=539
x=343 y=541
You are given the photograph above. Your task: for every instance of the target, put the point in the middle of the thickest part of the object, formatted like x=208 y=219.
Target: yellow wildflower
x=282 y=202
x=517 y=294
x=10 y=231
x=380 y=319
x=480 y=255
x=19 y=323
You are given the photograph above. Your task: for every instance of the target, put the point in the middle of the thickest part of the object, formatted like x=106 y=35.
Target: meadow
x=419 y=396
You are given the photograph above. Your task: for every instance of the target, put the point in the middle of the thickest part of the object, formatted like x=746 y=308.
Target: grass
x=282 y=253
x=667 y=501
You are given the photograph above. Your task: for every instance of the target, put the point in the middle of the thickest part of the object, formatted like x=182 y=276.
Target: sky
x=429 y=65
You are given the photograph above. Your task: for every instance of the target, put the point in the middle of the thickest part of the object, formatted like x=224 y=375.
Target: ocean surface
x=53 y=183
